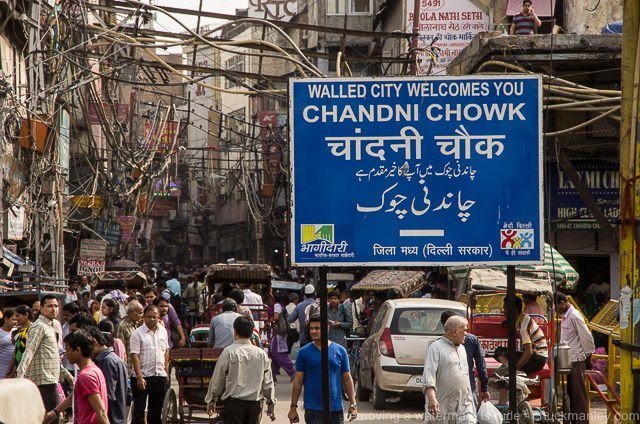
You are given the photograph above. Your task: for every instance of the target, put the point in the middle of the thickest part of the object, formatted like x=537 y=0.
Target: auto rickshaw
x=484 y=292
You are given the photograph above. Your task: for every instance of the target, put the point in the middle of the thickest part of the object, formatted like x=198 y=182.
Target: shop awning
x=541 y=7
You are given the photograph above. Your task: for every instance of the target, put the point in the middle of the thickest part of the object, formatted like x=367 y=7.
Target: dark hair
x=161 y=284
x=47 y=297
x=82 y=321
x=243 y=326
x=149 y=289
x=150 y=308
x=518 y=303
x=24 y=310
x=237 y=295
x=293 y=297
x=445 y=316
x=105 y=328
x=314 y=318
x=229 y=305
x=161 y=299
x=527 y=1
x=333 y=293
x=8 y=313
x=120 y=285
x=561 y=297
x=500 y=351
x=71 y=307
x=82 y=340
x=115 y=308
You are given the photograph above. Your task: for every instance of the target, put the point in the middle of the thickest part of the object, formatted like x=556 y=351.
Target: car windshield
x=418 y=321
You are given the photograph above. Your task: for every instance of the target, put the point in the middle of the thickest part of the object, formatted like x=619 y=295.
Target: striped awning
x=555 y=266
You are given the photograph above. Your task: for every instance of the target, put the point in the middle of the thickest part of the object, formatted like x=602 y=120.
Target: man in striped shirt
x=535 y=351
x=525 y=22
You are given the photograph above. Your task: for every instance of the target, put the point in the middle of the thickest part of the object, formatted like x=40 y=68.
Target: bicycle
x=354 y=348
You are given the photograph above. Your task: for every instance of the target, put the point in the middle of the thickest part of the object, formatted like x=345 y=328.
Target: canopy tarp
x=492 y=279
x=403 y=282
x=107 y=279
x=239 y=273
x=555 y=266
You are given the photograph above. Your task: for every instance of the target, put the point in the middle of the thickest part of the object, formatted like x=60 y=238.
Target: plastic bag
x=489 y=414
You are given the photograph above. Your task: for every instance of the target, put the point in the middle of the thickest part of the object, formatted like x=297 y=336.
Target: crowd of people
x=70 y=345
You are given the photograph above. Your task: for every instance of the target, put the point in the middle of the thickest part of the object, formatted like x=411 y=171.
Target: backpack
x=282 y=325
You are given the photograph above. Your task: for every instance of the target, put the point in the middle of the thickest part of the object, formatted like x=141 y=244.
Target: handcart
x=193 y=371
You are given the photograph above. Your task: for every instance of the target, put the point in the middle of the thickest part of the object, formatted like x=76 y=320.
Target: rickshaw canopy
x=107 y=279
x=239 y=273
x=405 y=283
x=492 y=280
x=555 y=266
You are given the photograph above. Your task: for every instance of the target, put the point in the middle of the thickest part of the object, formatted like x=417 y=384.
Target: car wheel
x=361 y=393
x=379 y=396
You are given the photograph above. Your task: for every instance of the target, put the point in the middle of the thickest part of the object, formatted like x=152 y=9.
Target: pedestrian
x=340 y=320
x=84 y=286
x=293 y=335
x=71 y=292
x=525 y=22
x=221 y=328
x=90 y=391
x=171 y=323
x=242 y=379
x=127 y=326
x=40 y=361
x=446 y=377
x=119 y=296
x=298 y=313
x=475 y=353
x=575 y=333
x=150 y=353
x=115 y=343
x=309 y=376
x=279 y=348
x=110 y=311
x=114 y=370
x=173 y=285
x=193 y=296
x=535 y=353
x=7 y=349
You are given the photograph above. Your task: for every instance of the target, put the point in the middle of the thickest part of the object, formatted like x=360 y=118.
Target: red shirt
x=90 y=381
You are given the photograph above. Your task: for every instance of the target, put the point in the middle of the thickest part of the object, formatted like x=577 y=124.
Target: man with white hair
x=446 y=377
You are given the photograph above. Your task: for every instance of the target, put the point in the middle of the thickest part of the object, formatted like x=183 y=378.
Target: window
x=351 y=7
x=235 y=63
x=419 y=322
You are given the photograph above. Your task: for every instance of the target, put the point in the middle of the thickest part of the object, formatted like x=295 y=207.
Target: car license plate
x=489 y=345
x=418 y=380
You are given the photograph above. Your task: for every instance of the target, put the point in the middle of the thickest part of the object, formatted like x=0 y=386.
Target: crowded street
x=320 y=211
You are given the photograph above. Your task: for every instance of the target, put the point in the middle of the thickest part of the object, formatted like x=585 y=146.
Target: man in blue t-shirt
x=309 y=375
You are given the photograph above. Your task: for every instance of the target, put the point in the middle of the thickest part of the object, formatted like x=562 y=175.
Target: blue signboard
x=416 y=171
x=567 y=210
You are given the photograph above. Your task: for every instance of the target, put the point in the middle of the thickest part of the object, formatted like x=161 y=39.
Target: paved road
x=406 y=410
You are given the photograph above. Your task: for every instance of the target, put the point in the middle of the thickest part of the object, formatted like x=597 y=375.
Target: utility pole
x=629 y=212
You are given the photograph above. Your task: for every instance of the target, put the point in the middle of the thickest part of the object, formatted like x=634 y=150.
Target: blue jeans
x=315 y=417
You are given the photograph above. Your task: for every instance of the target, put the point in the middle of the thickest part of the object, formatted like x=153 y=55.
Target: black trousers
x=156 y=389
x=49 y=396
x=238 y=411
x=577 y=394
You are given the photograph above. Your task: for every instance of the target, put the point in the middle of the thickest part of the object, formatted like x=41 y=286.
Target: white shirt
x=251 y=298
x=575 y=333
x=151 y=346
x=293 y=325
x=447 y=371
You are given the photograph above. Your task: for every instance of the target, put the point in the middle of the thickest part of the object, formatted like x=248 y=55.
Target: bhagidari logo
x=316 y=232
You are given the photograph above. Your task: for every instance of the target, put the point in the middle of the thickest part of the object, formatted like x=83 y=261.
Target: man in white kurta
x=446 y=377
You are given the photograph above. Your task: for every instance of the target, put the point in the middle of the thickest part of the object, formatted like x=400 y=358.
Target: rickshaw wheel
x=526 y=413
x=170 y=408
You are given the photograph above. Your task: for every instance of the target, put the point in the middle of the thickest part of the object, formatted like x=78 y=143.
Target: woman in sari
x=23 y=317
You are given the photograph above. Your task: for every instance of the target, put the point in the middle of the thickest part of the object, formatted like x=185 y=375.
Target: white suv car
x=392 y=357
